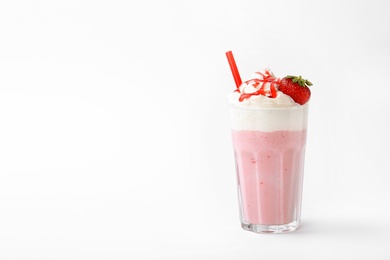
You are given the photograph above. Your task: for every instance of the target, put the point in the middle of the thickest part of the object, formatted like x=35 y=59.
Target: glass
x=269 y=149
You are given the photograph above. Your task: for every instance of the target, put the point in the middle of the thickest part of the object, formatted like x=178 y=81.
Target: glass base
x=271 y=228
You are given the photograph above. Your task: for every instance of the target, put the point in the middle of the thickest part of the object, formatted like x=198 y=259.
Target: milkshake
x=269 y=138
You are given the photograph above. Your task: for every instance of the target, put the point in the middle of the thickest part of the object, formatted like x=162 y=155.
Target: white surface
x=114 y=139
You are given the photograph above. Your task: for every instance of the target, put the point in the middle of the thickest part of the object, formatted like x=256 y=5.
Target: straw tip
x=233 y=67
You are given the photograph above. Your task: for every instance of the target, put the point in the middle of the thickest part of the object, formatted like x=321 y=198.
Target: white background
x=114 y=132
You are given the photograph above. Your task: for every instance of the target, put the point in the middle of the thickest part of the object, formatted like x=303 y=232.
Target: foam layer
x=268 y=119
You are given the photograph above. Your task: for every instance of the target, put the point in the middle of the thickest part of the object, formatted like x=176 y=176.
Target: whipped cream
x=259 y=101
x=258 y=105
x=261 y=91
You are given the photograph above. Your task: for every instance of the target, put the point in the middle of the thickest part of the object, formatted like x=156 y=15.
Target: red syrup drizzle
x=267 y=78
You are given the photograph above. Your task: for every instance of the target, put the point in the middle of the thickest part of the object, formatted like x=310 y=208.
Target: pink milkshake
x=269 y=140
x=269 y=167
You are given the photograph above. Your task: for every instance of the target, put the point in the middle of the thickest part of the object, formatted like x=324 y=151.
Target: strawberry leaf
x=299 y=80
x=308 y=83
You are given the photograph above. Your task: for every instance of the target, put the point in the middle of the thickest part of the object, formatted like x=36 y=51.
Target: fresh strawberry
x=296 y=88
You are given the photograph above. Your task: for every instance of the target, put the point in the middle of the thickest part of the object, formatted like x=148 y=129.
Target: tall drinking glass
x=269 y=149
